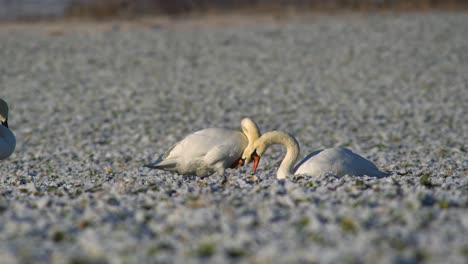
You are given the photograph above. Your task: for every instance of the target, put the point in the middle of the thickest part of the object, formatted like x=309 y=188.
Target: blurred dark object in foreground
x=103 y=8
x=98 y=9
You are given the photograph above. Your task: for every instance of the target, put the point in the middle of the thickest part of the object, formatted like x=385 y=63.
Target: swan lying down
x=208 y=151
x=7 y=138
x=338 y=161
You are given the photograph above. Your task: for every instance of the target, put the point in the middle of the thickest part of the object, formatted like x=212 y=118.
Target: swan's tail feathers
x=162 y=165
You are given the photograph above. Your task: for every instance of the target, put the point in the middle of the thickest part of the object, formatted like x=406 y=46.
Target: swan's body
x=7 y=138
x=338 y=161
x=7 y=142
x=208 y=151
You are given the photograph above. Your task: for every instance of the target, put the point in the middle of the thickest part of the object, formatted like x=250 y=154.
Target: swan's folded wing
x=225 y=153
x=198 y=144
x=167 y=153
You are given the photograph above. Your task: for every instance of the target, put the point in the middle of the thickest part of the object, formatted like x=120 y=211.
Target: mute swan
x=7 y=138
x=339 y=161
x=209 y=150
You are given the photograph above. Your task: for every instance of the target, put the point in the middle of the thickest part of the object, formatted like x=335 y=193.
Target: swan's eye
x=254 y=153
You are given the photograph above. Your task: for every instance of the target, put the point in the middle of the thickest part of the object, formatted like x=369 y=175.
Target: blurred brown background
x=98 y=9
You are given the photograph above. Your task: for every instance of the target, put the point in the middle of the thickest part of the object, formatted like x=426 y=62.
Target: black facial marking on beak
x=256 y=159
x=254 y=153
x=5 y=123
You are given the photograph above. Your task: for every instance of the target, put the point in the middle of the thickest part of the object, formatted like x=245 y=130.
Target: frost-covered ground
x=90 y=107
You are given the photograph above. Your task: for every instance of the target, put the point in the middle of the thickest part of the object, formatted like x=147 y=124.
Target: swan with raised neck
x=339 y=161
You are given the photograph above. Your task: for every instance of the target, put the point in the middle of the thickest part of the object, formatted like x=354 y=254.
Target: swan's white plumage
x=208 y=151
x=338 y=161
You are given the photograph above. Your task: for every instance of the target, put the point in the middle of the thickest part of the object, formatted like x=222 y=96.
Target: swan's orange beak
x=256 y=160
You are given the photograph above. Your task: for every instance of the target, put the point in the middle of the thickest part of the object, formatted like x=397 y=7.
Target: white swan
x=7 y=138
x=338 y=161
x=209 y=150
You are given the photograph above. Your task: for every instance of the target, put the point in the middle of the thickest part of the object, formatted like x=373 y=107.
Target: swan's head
x=250 y=129
x=253 y=154
x=3 y=113
x=270 y=138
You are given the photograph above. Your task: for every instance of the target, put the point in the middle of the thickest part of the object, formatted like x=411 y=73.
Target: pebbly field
x=91 y=103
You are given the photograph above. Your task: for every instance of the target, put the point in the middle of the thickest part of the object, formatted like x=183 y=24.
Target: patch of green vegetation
x=78 y=192
x=421 y=256
x=464 y=251
x=236 y=252
x=169 y=229
x=147 y=206
x=302 y=223
x=395 y=139
x=398 y=244
x=379 y=146
x=346 y=144
x=38 y=193
x=442 y=153
x=86 y=260
x=84 y=203
x=163 y=246
x=348 y=225
x=24 y=190
x=152 y=251
x=58 y=236
x=360 y=184
x=3 y=206
x=51 y=188
x=317 y=238
x=80 y=260
x=192 y=197
x=424 y=180
x=84 y=224
x=299 y=200
x=351 y=260
x=166 y=246
x=113 y=201
x=206 y=249
x=407 y=165
x=443 y=204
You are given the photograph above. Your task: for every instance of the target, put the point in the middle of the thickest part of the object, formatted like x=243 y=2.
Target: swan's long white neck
x=292 y=150
x=251 y=131
x=252 y=136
